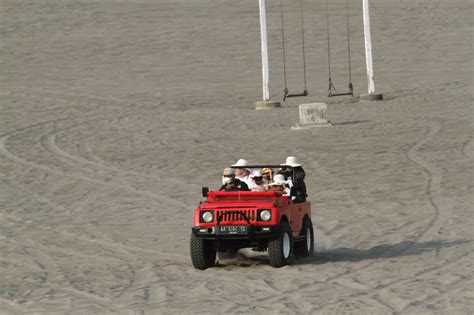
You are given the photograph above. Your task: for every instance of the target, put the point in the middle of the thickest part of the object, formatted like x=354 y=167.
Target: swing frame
x=331 y=87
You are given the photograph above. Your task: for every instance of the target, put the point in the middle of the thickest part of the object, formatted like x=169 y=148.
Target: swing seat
x=331 y=94
x=340 y=94
x=287 y=95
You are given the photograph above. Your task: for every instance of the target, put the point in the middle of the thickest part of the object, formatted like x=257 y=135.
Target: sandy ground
x=113 y=114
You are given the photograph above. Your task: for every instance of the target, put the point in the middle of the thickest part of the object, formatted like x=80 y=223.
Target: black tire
x=203 y=253
x=280 y=249
x=305 y=248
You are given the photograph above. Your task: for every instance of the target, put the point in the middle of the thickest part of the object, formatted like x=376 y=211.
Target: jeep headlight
x=265 y=215
x=207 y=216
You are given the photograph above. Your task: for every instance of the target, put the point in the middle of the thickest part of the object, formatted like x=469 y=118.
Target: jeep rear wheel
x=203 y=253
x=280 y=249
x=306 y=246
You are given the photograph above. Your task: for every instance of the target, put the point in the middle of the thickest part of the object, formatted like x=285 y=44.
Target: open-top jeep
x=258 y=220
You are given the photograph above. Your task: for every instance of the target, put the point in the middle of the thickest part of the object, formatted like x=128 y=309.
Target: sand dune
x=113 y=115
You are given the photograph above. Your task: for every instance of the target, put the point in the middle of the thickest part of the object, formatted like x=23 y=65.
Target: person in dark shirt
x=231 y=183
x=296 y=173
x=298 y=191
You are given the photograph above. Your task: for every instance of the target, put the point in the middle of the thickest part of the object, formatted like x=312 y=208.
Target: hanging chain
x=304 y=54
x=331 y=86
x=285 y=90
x=349 y=49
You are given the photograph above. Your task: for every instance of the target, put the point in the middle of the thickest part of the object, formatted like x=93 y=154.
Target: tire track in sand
x=130 y=256
x=387 y=294
x=433 y=186
x=432 y=189
x=450 y=289
x=93 y=170
x=10 y=307
x=49 y=143
x=55 y=278
x=52 y=270
x=73 y=174
x=441 y=213
x=468 y=148
x=110 y=101
x=53 y=275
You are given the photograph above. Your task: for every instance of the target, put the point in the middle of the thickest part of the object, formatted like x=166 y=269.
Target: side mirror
x=205 y=191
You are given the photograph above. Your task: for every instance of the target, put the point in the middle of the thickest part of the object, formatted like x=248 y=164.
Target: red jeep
x=259 y=220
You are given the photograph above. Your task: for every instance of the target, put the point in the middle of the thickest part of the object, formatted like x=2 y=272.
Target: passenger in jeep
x=297 y=184
x=258 y=183
x=242 y=173
x=230 y=183
x=279 y=184
x=267 y=175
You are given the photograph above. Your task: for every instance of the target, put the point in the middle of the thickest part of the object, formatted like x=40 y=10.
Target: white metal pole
x=368 y=47
x=263 y=34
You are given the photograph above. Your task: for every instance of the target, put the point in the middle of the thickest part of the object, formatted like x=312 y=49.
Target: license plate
x=233 y=229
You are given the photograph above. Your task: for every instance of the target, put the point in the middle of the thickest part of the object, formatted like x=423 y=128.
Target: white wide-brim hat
x=291 y=161
x=256 y=173
x=278 y=180
x=240 y=163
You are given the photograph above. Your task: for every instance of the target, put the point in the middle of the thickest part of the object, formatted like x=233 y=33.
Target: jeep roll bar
x=259 y=166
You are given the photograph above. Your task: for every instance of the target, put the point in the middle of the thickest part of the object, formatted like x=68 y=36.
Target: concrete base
x=267 y=105
x=370 y=97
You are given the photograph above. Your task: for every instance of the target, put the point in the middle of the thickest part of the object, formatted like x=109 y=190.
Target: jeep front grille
x=234 y=216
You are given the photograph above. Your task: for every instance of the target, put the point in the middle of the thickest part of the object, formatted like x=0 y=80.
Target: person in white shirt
x=258 y=183
x=242 y=173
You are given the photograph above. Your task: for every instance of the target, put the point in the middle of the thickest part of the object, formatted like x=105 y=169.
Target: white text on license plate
x=233 y=229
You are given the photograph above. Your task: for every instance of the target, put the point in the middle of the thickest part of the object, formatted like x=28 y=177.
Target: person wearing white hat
x=296 y=173
x=258 y=184
x=230 y=183
x=240 y=163
x=287 y=168
x=279 y=184
x=242 y=173
x=291 y=161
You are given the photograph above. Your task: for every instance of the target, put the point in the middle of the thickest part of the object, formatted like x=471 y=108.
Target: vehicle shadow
x=344 y=254
x=383 y=251
x=349 y=122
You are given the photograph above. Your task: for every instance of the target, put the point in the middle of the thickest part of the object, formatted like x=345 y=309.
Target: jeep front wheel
x=280 y=249
x=203 y=253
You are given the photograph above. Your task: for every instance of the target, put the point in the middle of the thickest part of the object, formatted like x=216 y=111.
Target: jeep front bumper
x=249 y=232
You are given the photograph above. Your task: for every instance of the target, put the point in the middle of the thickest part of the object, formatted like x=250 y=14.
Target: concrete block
x=312 y=115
